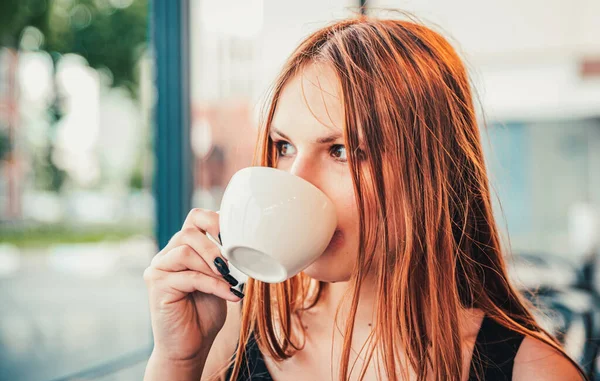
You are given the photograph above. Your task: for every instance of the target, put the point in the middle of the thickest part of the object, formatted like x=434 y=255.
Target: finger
x=181 y=258
x=190 y=281
x=199 y=219
x=205 y=220
x=184 y=257
x=197 y=240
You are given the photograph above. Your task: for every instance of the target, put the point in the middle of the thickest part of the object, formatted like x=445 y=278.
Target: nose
x=306 y=168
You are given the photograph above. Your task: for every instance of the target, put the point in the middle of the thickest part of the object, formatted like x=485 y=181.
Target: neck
x=339 y=294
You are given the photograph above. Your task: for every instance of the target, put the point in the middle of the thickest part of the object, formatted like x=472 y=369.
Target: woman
x=413 y=286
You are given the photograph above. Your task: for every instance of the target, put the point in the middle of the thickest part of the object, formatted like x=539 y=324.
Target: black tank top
x=493 y=356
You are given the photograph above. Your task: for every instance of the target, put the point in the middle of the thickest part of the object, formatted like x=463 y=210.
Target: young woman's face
x=307 y=131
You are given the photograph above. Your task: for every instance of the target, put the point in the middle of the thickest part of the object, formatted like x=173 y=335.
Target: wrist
x=163 y=367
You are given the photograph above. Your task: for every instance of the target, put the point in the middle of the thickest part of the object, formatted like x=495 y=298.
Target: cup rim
x=298 y=179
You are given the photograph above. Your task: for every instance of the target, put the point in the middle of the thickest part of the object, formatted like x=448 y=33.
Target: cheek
x=341 y=192
x=337 y=264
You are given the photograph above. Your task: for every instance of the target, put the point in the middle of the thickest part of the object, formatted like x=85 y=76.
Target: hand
x=188 y=283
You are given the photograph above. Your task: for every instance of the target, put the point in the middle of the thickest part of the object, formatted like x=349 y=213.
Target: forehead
x=310 y=101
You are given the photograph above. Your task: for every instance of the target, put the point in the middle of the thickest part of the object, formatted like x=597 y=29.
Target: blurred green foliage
x=48 y=176
x=110 y=34
x=40 y=235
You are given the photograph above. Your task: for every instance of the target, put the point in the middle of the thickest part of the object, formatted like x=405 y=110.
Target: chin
x=329 y=268
x=334 y=265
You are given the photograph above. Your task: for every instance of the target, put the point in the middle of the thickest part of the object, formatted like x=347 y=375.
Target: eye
x=338 y=151
x=284 y=148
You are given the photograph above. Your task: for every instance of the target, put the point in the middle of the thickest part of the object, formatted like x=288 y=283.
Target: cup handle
x=237 y=274
x=216 y=242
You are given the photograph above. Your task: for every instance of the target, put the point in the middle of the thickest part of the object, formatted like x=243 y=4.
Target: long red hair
x=426 y=225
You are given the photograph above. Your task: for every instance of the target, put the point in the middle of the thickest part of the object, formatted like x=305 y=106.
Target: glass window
x=76 y=207
x=545 y=177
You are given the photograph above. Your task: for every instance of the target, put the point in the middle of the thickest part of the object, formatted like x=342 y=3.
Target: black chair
x=566 y=307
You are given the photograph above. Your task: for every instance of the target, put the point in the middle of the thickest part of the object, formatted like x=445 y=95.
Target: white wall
x=525 y=54
x=522 y=28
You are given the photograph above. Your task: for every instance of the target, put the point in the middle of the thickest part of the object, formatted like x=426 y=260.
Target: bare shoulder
x=537 y=360
x=225 y=343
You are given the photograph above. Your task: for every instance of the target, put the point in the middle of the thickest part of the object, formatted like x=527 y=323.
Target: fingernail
x=231 y=280
x=221 y=266
x=220 y=239
x=236 y=293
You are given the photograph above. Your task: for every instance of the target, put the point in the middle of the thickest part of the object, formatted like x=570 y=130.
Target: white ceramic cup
x=274 y=224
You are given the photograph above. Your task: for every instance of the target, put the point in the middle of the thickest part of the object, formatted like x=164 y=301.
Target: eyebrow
x=323 y=140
